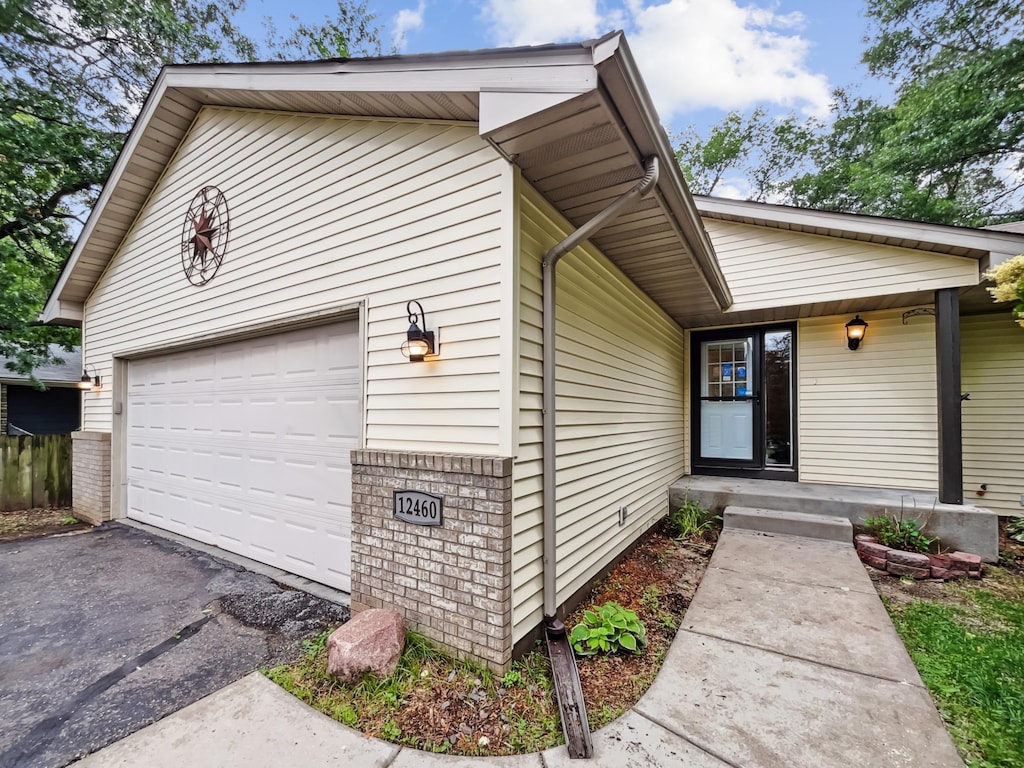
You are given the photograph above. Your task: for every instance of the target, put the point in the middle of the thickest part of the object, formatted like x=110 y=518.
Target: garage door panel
x=246 y=446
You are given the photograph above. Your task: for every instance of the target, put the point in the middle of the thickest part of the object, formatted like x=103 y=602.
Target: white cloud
x=535 y=22
x=713 y=53
x=694 y=54
x=407 y=20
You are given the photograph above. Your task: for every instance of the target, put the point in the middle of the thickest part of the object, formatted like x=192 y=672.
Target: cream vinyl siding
x=767 y=267
x=621 y=429
x=868 y=417
x=328 y=212
x=992 y=361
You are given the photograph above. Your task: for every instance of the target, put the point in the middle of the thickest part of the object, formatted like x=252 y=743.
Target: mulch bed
x=35 y=523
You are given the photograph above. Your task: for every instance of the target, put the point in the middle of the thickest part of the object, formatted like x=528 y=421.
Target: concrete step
x=811 y=526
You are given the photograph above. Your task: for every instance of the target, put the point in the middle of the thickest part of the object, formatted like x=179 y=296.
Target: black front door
x=744 y=402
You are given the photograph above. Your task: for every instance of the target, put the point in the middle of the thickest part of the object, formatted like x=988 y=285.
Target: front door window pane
x=778 y=398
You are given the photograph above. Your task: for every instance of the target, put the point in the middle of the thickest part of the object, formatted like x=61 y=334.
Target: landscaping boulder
x=371 y=641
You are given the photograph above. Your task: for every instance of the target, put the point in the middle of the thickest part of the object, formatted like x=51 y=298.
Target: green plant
x=512 y=678
x=69 y=520
x=610 y=629
x=692 y=521
x=1015 y=530
x=899 y=533
x=312 y=647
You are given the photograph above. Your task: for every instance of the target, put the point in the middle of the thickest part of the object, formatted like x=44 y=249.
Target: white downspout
x=551 y=259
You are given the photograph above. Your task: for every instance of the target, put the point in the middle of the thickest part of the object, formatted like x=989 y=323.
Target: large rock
x=371 y=641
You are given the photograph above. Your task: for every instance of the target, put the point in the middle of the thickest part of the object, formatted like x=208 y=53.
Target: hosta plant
x=608 y=629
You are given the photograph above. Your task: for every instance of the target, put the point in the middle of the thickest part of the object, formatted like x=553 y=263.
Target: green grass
x=971 y=657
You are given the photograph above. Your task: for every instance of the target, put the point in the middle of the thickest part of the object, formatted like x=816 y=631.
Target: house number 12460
x=418 y=508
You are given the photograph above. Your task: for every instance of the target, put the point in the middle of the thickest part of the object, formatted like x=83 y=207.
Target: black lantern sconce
x=90 y=382
x=855 y=330
x=419 y=343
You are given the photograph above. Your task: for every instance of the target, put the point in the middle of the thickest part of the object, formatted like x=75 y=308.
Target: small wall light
x=90 y=382
x=855 y=330
x=418 y=343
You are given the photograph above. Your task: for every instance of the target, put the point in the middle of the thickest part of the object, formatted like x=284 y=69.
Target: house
x=55 y=409
x=320 y=292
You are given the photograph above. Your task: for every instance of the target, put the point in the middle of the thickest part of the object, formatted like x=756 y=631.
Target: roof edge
x=988 y=240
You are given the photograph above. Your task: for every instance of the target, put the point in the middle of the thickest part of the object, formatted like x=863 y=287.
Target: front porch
x=958 y=526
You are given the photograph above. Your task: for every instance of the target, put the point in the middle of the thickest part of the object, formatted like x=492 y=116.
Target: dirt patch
x=35 y=523
x=657 y=581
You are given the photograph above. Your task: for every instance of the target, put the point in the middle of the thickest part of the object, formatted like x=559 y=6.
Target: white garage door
x=246 y=446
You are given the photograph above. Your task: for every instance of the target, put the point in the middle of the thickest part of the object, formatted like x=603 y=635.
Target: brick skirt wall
x=90 y=476
x=453 y=582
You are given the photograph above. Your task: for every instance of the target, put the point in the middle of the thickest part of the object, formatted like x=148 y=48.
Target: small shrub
x=692 y=521
x=69 y=520
x=899 y=534
x=610 y=629
x=1015 y=530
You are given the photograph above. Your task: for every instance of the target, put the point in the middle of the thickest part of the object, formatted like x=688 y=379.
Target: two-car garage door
x=245 y=445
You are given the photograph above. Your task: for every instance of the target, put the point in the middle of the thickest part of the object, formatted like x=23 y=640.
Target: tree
x=950 y=147
x=764 y=151
x=75 y=74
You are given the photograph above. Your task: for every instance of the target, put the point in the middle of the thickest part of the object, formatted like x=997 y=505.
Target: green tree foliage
x=950 y=147
x=75 y=74
x=764 y=150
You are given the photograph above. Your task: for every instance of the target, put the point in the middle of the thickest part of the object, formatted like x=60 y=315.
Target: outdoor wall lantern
x=855 y=330
x=90 y=382
x=418 y=343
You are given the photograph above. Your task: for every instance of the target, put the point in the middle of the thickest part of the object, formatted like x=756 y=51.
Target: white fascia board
x=501 y=108
x=858 y=224
x=57 y=312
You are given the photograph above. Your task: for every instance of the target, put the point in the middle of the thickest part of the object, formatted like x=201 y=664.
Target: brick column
x=3 y=409
x=453 y=582
x=90 y=476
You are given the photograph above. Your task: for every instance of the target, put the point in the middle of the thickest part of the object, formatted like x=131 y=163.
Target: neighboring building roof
x=68 y=372
x=575 y=118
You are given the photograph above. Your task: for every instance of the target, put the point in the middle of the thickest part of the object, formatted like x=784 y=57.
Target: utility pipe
x=551 y=259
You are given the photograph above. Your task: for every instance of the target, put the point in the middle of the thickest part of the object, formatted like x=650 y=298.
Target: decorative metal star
x=202 y=240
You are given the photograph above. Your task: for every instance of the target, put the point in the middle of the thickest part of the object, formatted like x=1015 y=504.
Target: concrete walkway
x=786 y=659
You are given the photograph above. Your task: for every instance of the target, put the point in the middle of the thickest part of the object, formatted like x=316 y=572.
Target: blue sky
x=700 y=58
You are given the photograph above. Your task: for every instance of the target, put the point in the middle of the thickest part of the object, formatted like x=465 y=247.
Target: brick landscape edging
x=955 y=565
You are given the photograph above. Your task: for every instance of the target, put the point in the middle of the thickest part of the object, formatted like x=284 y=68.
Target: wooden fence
x=35 y=471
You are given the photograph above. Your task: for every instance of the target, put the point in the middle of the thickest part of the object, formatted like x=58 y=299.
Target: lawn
x=967 y=640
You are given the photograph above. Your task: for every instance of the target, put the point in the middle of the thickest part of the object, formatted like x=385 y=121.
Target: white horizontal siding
x=993 y=419
x=868 y=417
x=620 y=413
x=768 y=267
x=325 y=212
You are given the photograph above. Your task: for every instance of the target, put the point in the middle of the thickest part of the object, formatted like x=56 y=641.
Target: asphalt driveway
x=102 y=633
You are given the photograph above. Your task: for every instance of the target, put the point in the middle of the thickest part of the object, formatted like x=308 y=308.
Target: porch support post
x=947 y=364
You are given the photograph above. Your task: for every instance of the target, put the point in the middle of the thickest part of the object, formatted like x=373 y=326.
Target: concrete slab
x=774 y=558
x=414 y=758
x=828 y=527
x=633 y=741
x=758 y=708
x=830 y=625
x=249 y=724
x=965 y=527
